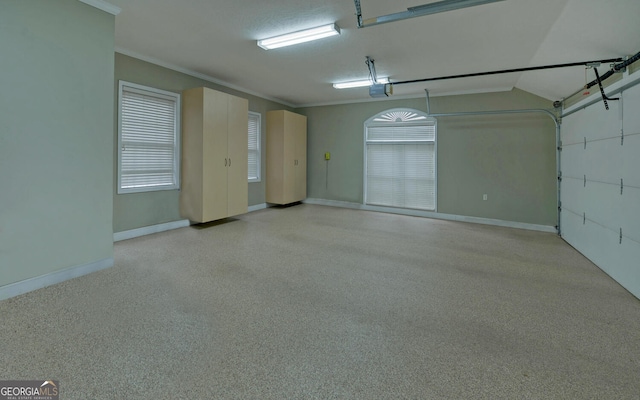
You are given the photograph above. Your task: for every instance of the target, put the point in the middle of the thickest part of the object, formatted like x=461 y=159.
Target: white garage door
x=600 y=188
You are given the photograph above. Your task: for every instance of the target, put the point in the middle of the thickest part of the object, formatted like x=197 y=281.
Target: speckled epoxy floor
x=311 y=302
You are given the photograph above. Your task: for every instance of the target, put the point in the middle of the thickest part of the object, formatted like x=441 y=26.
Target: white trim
x=197 y=75
x=334 y=203
x=433 y=215
x=211 y=79
x=362 y=100
x=257 y=207
x=406 y=97
x=472 y=91
x=148 y=230
x=39 y=282
x=103 y=5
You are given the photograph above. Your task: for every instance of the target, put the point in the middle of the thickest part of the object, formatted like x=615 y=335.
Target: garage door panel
x=596 y=212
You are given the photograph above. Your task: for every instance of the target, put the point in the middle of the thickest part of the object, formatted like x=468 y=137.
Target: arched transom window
x=400 y=160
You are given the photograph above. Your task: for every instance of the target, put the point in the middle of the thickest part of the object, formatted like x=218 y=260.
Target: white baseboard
x=434 y=215
x=39 y=282
x=148 y=230
x=257 y=207
x=334 y=203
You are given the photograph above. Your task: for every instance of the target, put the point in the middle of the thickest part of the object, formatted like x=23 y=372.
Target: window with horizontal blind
x=255 y=122
x=148 y=139
x=400 y=160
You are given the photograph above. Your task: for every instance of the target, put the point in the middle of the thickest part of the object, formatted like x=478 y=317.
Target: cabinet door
x=290 y=162
x=237 y=180
x=215 y=128
x=275 y=157
x=191 y=167
x=300 y=131
x=286 y=157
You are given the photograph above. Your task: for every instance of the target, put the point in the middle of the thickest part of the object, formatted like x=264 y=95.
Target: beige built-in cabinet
x=214 y=155
x=286 y=157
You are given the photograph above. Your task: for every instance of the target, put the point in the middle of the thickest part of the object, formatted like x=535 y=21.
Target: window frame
x=371 y=122
x=258 y=150
x=159 y=93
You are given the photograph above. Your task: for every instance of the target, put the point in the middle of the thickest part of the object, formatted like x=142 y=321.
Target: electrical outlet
x=484 y=197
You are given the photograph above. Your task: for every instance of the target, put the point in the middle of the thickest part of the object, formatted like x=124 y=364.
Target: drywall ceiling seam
x=544 y=40
x=103 y=5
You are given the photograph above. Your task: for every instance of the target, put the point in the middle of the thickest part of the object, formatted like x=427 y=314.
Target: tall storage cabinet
x=286 y=157
x=214 y=155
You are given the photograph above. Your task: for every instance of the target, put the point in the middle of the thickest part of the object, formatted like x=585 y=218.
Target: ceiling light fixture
x=355 y=84
x=306 y=35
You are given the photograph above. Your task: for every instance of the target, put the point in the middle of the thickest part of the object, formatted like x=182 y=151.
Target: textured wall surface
x=509 y=158
x=56 y=141
x=138 y=210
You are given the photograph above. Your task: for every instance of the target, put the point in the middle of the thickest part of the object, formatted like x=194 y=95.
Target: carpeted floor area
x=312 y=302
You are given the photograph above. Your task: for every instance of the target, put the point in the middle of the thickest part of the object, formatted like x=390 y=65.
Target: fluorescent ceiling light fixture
x=362 y=83
x=306 y=35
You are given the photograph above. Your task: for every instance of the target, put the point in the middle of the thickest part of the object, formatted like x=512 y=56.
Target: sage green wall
x=136 y=210
x=56 y=141
x=509 y=158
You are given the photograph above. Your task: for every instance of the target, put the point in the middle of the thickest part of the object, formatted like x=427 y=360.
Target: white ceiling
x=217 y=38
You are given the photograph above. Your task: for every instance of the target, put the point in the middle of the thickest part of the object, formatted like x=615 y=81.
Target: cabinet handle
x=225 y=161
x=229 y=161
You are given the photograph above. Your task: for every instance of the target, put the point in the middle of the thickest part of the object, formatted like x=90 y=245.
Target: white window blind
x=422 y=133
x=254 y=146
x=148 y=139
x=401 y=163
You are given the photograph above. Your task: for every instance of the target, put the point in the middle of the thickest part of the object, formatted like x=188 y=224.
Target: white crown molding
x=498 y=89
x=199 y=75
x=103 y=5
x=363 y=100
x=408 y=96
x=208 y=78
